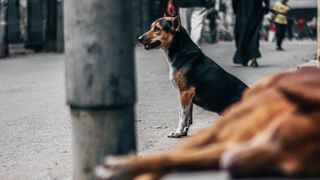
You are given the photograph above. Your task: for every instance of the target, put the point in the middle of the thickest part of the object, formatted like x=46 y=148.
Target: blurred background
x=37 y=25
x=35 y=126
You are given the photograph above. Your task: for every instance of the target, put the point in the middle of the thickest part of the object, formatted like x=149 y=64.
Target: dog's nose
x=141 y=38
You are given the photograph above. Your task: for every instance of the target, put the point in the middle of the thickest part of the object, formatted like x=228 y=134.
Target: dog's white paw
x=118 y=161
x=175 y=135
x=115 y=168
x=101 y=172
x=104 y=173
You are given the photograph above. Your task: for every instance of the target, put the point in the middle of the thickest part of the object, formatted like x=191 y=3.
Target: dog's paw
x=116 y=168
x=103 y=173
x=176 y=135
x=114 y=162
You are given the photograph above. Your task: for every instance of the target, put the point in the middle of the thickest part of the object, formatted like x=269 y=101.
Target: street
x=35 y=141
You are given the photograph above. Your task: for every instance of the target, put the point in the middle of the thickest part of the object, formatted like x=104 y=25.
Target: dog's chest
x=172 y=72
x=178 y=78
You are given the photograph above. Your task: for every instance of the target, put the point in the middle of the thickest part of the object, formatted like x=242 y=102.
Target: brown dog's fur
x=274 y=130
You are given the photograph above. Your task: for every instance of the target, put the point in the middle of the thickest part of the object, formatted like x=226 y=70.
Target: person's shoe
x=244 y=64
x=253 y=63
x=280 y=49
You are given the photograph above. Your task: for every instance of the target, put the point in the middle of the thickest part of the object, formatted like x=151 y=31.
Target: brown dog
x=273 y=131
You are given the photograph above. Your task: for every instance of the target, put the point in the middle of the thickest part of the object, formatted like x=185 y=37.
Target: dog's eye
x=156 y=29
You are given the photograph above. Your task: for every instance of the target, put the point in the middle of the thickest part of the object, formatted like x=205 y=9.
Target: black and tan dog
x=199 y=79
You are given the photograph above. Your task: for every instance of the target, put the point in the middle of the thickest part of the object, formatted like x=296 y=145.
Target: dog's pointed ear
x=176 y=23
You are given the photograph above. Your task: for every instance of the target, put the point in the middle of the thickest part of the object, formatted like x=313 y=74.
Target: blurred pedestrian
x=312 y=26
x=249 y=16
x=272 y=32
x=213 y=16
x=172 y=9
x=301 y=28
x=192 y=14
x=281 y=9
x=290 y=26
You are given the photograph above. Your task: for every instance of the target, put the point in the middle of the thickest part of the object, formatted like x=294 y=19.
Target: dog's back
x=215 y=88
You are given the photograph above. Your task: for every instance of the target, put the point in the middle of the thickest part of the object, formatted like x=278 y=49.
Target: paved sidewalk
x=35 y=141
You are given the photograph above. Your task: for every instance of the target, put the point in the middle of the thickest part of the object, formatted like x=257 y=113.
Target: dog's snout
x=141 y=38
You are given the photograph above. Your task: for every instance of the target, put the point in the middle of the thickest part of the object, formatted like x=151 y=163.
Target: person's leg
x=290 y=31
x=282 y=34
x=253 y=48
x=197 y=20
x=278 y=35
x=184 y=18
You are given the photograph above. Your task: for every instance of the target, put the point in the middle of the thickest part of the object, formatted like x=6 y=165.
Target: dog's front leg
x=153 y=167
x=185 y=116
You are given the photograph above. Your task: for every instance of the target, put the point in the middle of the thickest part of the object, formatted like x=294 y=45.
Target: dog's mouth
x=152 y=45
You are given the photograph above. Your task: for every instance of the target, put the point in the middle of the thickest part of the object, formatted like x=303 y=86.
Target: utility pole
x=3 y=26
x=100 y=81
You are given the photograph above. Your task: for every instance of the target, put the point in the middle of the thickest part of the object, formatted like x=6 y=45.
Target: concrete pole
x=100 y=81
x=318 y=34
x=3 y=26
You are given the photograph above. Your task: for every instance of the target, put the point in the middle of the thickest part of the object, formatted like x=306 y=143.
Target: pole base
x=97 y=133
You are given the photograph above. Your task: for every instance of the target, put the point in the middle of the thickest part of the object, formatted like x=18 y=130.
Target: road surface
x=35 y=141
